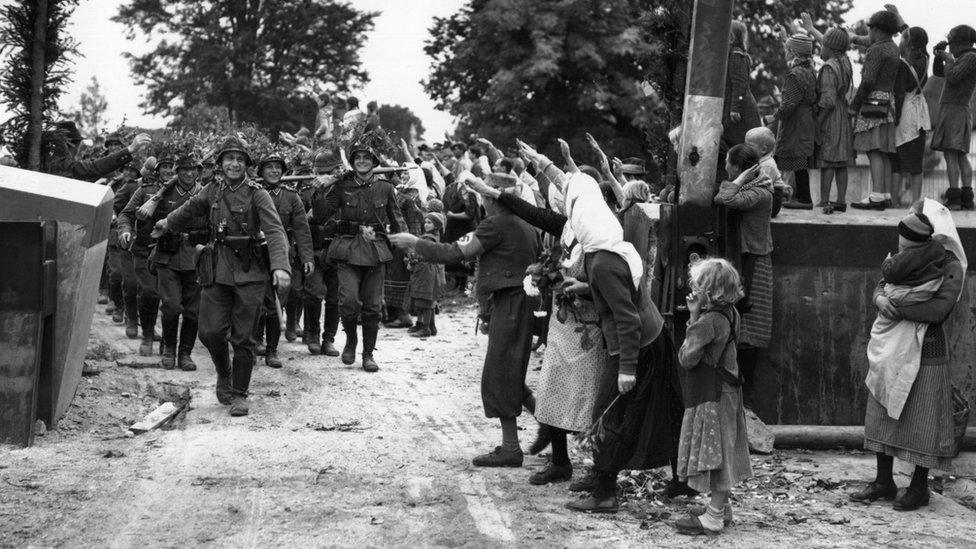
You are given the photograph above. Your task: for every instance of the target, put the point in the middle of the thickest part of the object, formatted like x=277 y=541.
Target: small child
x=764 y=141
x=713 y=449
x=920 y=258
x=426 y=280
x=913 y=275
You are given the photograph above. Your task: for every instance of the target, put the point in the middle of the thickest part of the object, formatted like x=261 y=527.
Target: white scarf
x=944 y=230
x=595 y=227
x=417 y=180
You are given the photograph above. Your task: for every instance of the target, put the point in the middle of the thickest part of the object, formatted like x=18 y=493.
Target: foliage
x=397 y=120
x=765 y=45
x=250 y=56
x=90 y=114
x=204 y=118
x=17 y=39
x=539 y=70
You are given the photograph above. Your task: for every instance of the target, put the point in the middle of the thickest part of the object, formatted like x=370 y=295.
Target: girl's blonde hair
x=717 y=280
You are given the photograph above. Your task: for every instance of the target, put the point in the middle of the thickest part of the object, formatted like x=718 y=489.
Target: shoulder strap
x=918 y=82
x=726 y=375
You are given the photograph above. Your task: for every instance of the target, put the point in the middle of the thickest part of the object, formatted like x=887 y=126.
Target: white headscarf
x=439 y=182
x=595 y=227
x=944 y=230
x=417 y=180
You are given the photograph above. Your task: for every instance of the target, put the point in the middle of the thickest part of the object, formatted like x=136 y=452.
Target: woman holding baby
x=910 y=406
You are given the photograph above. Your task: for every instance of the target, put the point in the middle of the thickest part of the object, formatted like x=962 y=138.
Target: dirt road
x=332 y=456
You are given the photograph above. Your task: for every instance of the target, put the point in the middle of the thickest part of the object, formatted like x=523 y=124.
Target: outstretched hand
x=404 y=241
x=567 y=155
x=480 y=187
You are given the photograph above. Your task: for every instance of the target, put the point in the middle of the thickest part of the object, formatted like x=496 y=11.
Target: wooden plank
x=154 y=419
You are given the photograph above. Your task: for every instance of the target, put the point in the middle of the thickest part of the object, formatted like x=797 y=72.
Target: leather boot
x=328 y=349
x=314 y=346
x=169 y=357
x=224 y=389
x=146 y=346
x=291 y=332
x=370 y=330
x=148 y=310
x=271 y=358
x=966 y=198
x=423 y=325
x=239 y=407
x=131 y=316
x=953 y=199
x=188 y=337
x=352 y=341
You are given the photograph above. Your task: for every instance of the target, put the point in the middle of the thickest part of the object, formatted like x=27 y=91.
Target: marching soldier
x=232 y=267
x=176 y=270
x=135 y=231
x=123 y=285
x=291 y=211
x=363 y=204
x=324 y=282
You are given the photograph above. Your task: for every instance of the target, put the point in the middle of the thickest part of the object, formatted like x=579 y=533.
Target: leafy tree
x=765 y=45
x=30 y=107
x=250 y=56
x=90 y=114
x=204 y=118
x=397 y=120
x=538 y=70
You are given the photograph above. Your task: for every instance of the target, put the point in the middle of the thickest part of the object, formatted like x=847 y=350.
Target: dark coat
x=796 y=135
x=367 y=203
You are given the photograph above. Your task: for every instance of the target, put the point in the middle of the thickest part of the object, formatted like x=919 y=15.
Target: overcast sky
x=393 y=54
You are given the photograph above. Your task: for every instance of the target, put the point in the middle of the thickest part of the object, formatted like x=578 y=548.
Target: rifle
x=266 y=256
x=148 y=207
x=313 y=176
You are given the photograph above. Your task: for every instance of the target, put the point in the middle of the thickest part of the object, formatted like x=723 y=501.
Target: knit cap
x=435 y=205
x=915 y=227
x=437 y=219
x=800 y=44
x=837 y=39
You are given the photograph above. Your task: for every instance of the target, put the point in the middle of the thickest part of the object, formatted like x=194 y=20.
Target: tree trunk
x=37 y=87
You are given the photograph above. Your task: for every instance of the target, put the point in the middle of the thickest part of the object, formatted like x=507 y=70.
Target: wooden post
x=701 y=127
x=37 y=86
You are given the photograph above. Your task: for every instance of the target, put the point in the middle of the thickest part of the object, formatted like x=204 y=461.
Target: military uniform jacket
x=90 y=170
x=367 y=209
x=184 y=259
x=123 y=189
x=291 y=211
x=247 y=210
x=138 y=229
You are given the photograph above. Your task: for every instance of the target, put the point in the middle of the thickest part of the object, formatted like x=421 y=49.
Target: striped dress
x=923 y=434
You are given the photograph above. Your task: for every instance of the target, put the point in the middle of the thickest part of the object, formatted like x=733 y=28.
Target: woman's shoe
x=839 y=206
x=797 y=205
x=676 y=488
x=912 y=499
x=874 y=491
x=869 y=204
x=692 y=526
x=552 y=473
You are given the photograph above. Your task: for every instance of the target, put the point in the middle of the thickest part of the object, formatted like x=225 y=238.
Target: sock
x=920 y=479
x=560 y=451
x=885 y=464
x=510 y=440
x=712 y=518
x=529 y=401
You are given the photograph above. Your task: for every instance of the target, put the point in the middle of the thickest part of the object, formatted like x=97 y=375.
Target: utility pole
x=701 y=127
x=37 y=86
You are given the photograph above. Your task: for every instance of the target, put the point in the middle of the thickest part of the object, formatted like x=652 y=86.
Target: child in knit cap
x=426 y=279
x=920 y=258
x=763 y=140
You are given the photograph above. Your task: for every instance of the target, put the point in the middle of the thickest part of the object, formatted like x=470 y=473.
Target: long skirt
x=571 y=372
x=503 y=388
x=757 y=324
x=397 y=282
x=923 y=433
x=713 y=452
x=953 y=129
x=641 y=428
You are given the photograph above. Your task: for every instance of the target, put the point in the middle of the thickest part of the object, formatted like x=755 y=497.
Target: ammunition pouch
x=169 y=243
x=322 y=235
x=194 y=238
x=237 y=243
x=243 y=247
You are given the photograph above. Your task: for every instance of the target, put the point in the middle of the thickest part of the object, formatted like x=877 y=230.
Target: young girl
x=426 y=280
x=713 y=451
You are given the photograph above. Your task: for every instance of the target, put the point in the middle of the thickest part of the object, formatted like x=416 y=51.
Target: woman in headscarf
x=911 y=110
x=796 y=135
x=638 y=401
x=740 y=112
x=923 y=433
x=834 y=150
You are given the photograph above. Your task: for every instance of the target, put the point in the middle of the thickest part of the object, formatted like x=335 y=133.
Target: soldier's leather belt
x=352 y=228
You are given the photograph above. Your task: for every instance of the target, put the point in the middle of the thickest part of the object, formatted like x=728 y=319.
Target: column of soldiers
x=214 y=252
